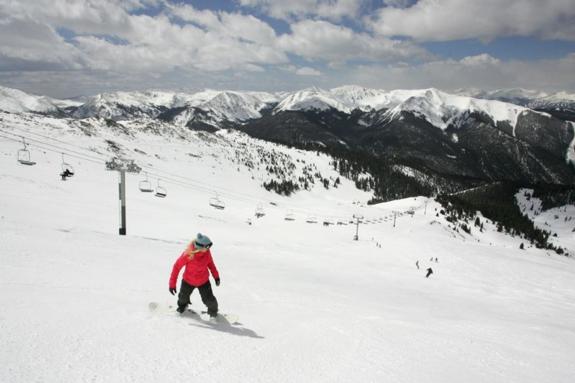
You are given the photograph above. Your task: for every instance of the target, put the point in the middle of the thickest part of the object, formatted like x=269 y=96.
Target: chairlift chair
x=311 y=220
x=67 y=167
x=145 y=185
x=260 y=211
x=161 y=191
x=23 y=155
x=217 y=203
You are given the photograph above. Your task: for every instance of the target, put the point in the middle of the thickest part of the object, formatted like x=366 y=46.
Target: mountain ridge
x=433 y=139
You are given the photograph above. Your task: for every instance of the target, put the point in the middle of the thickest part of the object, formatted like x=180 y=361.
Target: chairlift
x=260 y=211
x=67 y=169
x=217 y=203
x=145 y=185
x=311 y=220
x=23 y=155
x=161 y=191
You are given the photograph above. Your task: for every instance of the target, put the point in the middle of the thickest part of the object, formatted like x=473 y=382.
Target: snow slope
x=314 y=305
x=559 y=220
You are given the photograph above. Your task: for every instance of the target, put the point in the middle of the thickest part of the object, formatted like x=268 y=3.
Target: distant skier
x=198 y=263
x=65 y=174
x=429 y=272
x=417 y=264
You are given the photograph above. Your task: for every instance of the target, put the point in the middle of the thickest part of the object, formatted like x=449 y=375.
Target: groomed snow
x=314 y=305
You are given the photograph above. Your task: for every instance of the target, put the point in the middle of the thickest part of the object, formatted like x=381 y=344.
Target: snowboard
x=160 y=308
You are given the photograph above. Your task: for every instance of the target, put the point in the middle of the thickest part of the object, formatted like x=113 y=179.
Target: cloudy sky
x=67 y=48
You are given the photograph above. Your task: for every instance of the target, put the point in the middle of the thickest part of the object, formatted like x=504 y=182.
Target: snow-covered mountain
x=356 y=96
x=559 y=100
x=217 y=106
x=16 y=101
x=232 y=106
x=312 y=99
x=561 y=104
x=126 y=105
x=519 y=96
x=437 y=107
x=441 y=109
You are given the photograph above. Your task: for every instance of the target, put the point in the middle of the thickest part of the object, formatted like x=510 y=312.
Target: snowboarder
x=198 y=263
x=429 y=272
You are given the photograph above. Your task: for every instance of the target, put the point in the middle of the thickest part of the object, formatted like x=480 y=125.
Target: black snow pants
x=205 y=292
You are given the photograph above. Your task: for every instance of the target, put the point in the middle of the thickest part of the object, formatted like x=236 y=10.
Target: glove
x=218 y=282
x=173 y=290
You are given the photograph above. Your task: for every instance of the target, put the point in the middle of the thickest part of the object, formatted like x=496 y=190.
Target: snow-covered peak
x=524 y=97
x=559 y=97
x=122 y=105
x=356 y=96
x=228 y=105
x=512 y=94
x=437 y=107
x=223 y=105
x=16 y=101
x=311 y=99
x=136 y=98
x=440 y=108
x=235 y=106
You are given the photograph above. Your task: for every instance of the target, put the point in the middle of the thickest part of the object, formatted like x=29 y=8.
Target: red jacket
x=196 y=271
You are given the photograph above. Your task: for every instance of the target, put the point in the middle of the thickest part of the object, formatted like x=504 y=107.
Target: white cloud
x=83 y=16
x=322 y=40
x=29 y=41
x=549 y=74
x=233 y=25
x=299 y=9
x=108 y=37
x=444 y=20
x=307 y=71
x=108 y=46
x=478 y=60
